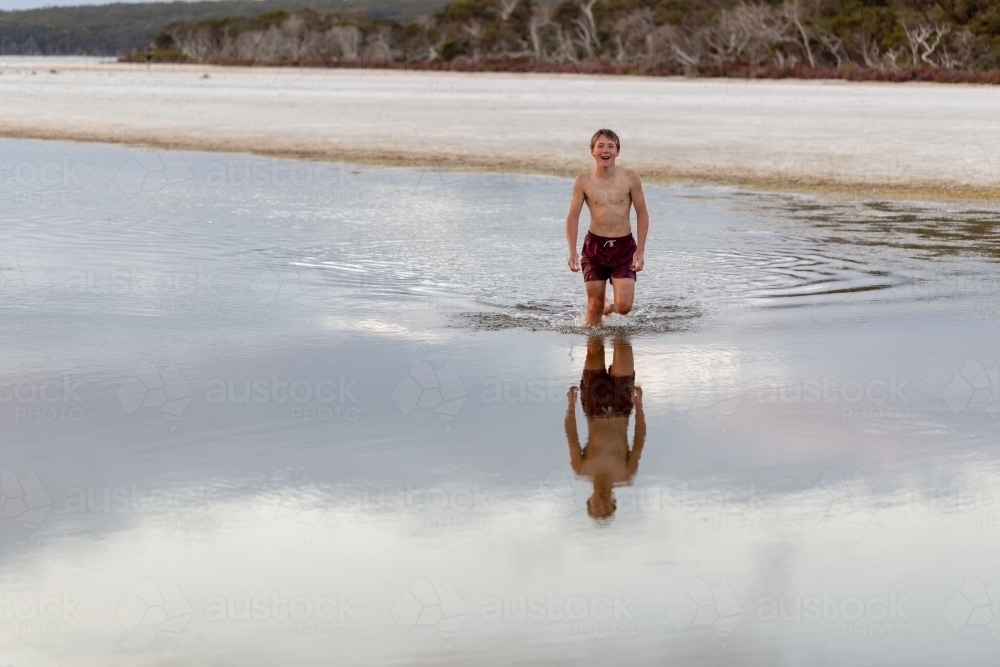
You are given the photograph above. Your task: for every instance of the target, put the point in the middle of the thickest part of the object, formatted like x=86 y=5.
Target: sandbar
x=879 y=139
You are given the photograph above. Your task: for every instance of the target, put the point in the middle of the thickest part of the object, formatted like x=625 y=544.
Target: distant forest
x=117 y=29
x=943 y=40
x=902 y=39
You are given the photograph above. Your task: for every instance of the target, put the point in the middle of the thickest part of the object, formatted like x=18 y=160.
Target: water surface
x=260 y=411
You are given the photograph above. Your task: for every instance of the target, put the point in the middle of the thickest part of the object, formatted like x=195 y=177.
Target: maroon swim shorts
x=606 y=395
x=604 y=258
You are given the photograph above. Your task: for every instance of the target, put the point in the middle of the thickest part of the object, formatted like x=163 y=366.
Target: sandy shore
x=892 y=139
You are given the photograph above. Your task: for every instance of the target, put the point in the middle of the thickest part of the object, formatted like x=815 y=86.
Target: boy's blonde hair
x=610 y=134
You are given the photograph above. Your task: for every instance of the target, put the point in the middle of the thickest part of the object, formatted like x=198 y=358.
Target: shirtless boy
x=609 y=250
x=608 y=396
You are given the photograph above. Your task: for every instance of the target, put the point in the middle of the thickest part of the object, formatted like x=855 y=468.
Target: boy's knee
x=623 y=308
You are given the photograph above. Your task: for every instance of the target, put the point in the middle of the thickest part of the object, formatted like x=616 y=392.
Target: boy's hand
x=571 y=397
x=637 y=261
x=573 y=262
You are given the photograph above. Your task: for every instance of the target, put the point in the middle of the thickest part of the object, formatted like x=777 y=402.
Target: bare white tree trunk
x=871 y=54
x=792 y=11
x=588 y=11
x=539 y=18
x=507 y=8
x=915 y=35
x=930 y=46
x=833 y=45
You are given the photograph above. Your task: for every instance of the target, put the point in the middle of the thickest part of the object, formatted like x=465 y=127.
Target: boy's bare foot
x=608 y=307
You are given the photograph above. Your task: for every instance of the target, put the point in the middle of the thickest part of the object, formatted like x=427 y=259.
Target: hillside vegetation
x=905 y=38
x=120 y=28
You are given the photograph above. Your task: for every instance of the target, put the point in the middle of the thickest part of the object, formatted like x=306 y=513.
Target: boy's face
x=605 y=152
x=601 y=505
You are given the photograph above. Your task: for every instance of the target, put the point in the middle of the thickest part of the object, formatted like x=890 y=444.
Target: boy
x=609 y=250
x=608 y=396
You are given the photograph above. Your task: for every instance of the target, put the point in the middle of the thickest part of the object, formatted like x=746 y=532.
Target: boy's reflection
x=608 y=396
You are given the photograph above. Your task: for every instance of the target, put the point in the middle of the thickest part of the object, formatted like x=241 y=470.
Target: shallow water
x=259 y=411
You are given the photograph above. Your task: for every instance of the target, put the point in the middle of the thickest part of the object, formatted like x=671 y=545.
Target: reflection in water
x=843 y=449
x=608 y=395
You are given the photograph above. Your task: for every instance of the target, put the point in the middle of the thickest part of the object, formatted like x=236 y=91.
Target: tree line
x=119 y=28
x=693 y=36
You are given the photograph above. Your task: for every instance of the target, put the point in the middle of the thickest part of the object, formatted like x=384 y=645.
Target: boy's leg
x=595 y=300
x=622 y=376
x=596 y=390
x=624 y=289
x=622 y=363
x=595 y=354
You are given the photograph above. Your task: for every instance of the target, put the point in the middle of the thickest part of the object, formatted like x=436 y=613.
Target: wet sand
x=877 y=139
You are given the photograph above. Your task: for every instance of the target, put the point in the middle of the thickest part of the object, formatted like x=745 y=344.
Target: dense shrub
x=901 y=40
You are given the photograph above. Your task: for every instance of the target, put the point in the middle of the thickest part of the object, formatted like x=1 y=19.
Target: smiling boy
x=609 y=250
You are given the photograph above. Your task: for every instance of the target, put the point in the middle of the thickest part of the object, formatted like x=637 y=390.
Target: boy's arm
x=573 y=223
x=640 y=433
x=641 y=222
x=575 y=455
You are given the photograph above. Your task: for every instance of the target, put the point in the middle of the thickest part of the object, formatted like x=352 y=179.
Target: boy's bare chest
x=611 y=195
